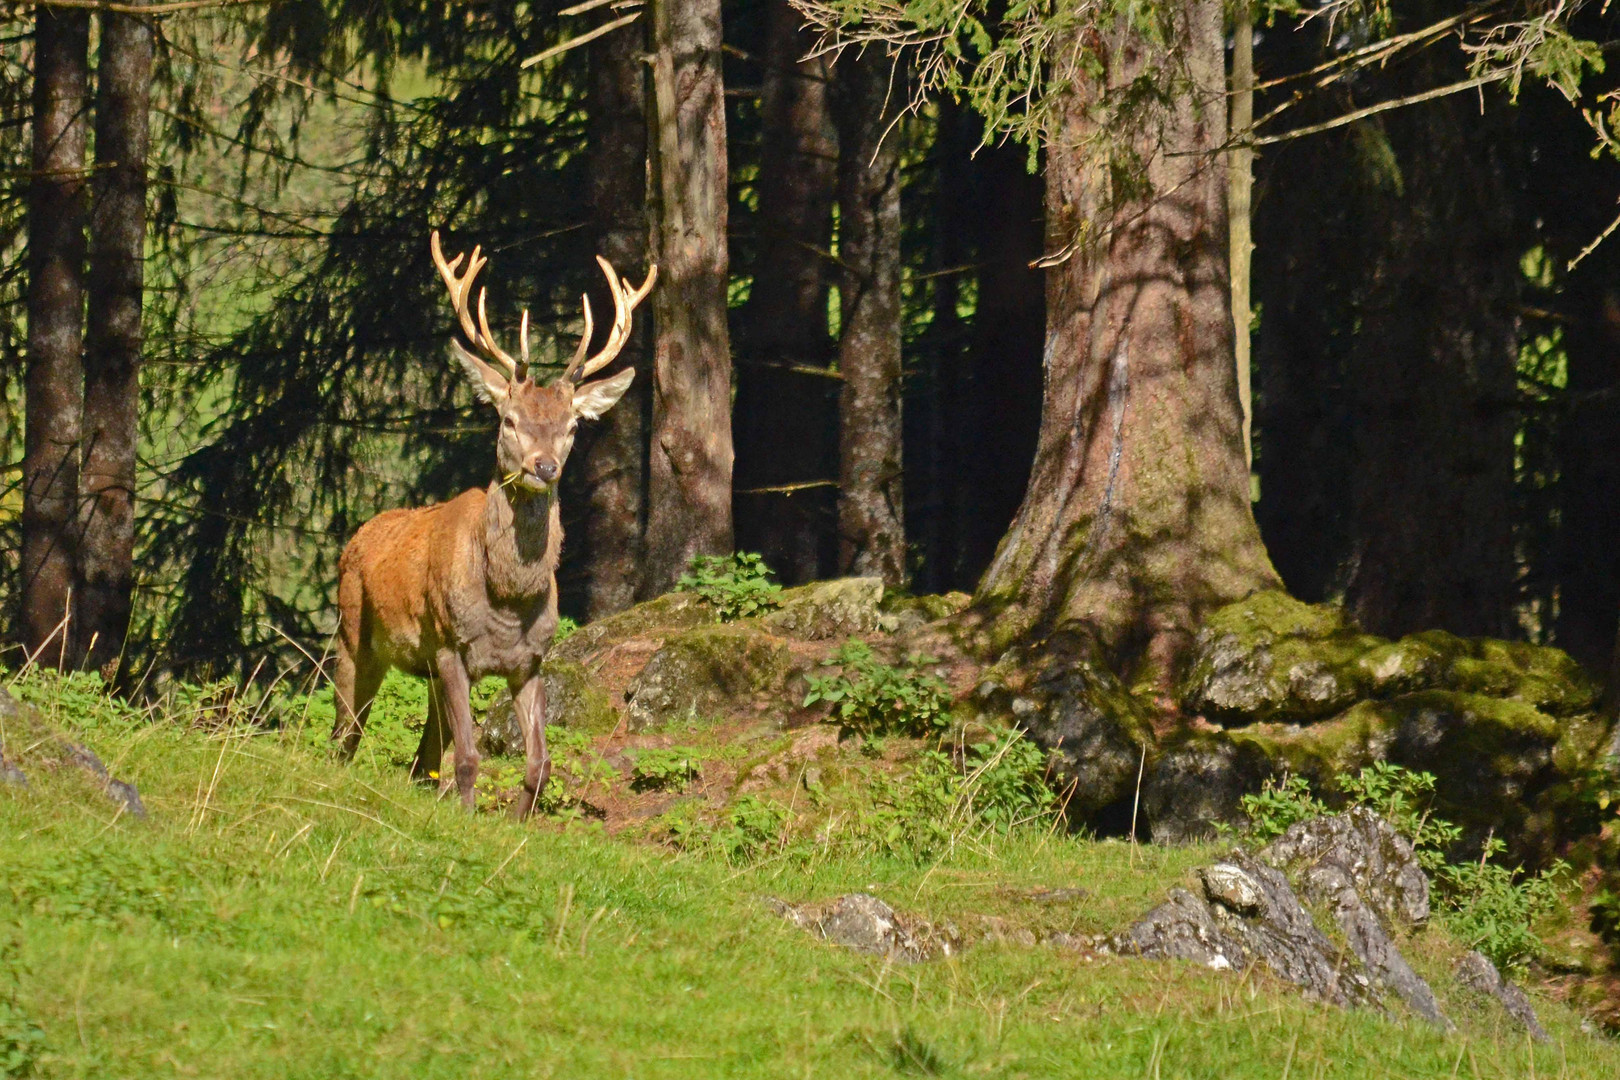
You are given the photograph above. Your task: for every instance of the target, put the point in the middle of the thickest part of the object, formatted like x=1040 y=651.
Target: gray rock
x=573 y=700
x=1279 y=934
x=1074 y=706
x=843 y=607
x=1363 y=871
x=1353 y=865
x=707 y=672
x=866 y=924
x=1377 y=861
x=122 y=793
x=1197 y=783
x=1480 y=975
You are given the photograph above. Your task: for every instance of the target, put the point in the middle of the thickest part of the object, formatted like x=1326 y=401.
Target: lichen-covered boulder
x=1271 y=657
x=1072 y=705
x=573 y=701
x=824 y=610
x=1196 y=782
x=708 y=672
x=908 y=613
x=862 y=922
x=665 y=615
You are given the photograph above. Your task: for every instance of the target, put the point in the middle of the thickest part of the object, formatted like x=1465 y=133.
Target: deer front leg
x=529 y=702
x=456 y=688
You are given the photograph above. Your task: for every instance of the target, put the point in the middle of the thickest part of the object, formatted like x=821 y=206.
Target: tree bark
x=1137 y=520
x=112 y=361
x=614 y=466
x=871 y=532
x=689 y=479
x=1242 y=186
x=55 y=372
x=1433 y=385
x=785 y=419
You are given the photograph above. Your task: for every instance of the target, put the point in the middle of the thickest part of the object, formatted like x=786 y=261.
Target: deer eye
x=509 y=422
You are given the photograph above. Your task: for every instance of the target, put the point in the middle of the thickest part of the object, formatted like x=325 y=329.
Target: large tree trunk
x=871 y=534
x=55 y=377
x=1137 y=519
x=689 y=489
x=112 y=361
x=785 y=418
x=614 y=464
x=1433 y=385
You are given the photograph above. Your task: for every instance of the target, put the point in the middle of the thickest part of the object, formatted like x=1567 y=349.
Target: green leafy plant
x=664 y=770
x=1403 y=797
x=871 y=698
x=566 y=628
x=1494 y=909
x=736 y=586
x=994 y=787
x=21 y=1039
x=1278 y=805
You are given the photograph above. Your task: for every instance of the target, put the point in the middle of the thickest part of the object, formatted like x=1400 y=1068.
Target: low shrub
x=736 y=586
x=873 y=699
x=664 y=770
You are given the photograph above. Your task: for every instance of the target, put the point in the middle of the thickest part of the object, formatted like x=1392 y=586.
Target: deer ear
x=594 y=399
x=489 y=382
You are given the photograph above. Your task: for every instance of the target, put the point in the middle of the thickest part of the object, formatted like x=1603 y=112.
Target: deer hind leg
x=456 y=688
x=435 y=733
x=529 y=702
x=358 y=678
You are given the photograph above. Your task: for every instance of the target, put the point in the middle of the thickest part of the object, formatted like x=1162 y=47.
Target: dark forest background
x=1436 y=422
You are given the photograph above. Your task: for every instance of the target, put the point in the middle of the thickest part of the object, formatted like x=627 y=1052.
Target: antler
x=625 y=300
x=478 y=333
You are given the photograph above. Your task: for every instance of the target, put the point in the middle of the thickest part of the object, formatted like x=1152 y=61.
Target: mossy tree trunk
x=112 y=363
x=614 y=463
x=1137 y=518
x=53 y=410
x=871 y=531
x=690 y=459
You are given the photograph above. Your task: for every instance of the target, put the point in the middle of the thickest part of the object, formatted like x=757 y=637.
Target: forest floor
x=277 y=914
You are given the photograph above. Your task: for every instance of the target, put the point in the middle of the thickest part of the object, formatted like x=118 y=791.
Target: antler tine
x=459 y=286
x=624 y=302
x=486 y=340
x=572 y=371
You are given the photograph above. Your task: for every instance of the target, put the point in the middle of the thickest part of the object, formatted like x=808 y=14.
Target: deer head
x=537 y=420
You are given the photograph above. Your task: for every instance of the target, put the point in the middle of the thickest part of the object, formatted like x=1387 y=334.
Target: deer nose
x=545 y=470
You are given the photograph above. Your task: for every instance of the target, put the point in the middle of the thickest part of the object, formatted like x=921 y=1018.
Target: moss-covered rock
x=1502 y=766
x=823 y=610
x=1547 y=679
x=668 y=614
x=1272 y=658
x=1074 y=706
x=910 y=612
x=573 y=701
x=709 y=671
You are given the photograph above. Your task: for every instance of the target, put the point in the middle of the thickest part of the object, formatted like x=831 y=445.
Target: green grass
x=283 y=916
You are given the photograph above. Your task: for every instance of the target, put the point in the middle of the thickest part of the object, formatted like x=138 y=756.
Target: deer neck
x=522 y=535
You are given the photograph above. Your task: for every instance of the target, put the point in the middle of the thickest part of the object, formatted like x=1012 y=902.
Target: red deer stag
x=468 y=588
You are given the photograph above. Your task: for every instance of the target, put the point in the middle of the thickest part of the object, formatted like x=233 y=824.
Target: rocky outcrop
x=1076 y=708
x=1508 y=728
x=828 y=610
x=573 y=700
x=48 y=750
x=1355 y=869
x=862 y=922
x=708 y=671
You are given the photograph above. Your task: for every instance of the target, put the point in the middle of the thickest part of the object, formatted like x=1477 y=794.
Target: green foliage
x=21 y=1039
x=566 y=628
x=1487 y=906
x=1494 y=909
x=749 y=828
x=994 y=789
x=664 y=770
x=871 y=698
x=1278 y=805
x=736 y=586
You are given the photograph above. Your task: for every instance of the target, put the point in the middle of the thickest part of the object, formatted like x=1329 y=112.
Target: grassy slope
x=279 y=915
